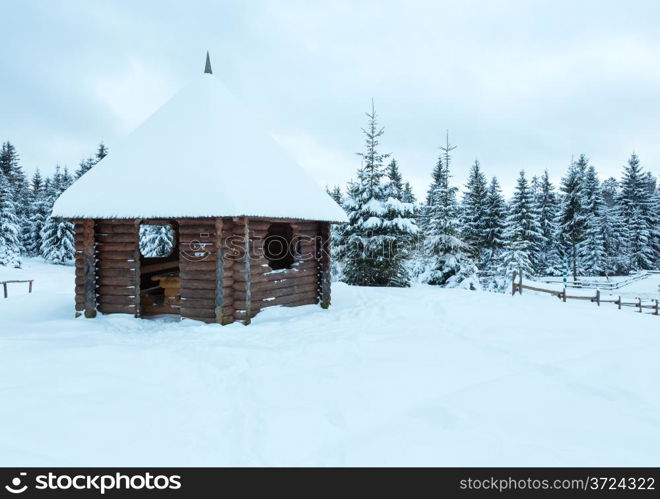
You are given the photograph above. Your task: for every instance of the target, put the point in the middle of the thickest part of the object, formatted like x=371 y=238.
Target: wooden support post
x=513 y=283
x=563 y=296
x=248 y=273
x=657 y=308
x=520 y=284
x=30 y=287
x=219 y=272
x=324 y=264
x=598 y=297
x=639 y=304
x=4 y=285
x=138 y=272
x=619 y=302
x=89 y=268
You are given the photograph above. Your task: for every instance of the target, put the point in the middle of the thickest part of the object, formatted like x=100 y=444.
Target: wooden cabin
x=251 y=228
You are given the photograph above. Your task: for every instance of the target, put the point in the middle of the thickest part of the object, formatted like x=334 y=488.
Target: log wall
x=224 y=274
x=117 y=266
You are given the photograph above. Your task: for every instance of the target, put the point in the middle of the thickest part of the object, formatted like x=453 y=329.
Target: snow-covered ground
x=420 y=376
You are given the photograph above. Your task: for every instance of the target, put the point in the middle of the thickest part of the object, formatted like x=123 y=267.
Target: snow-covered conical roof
x=199 y=155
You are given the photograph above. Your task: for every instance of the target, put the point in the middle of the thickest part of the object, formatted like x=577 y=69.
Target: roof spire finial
x=207 y=68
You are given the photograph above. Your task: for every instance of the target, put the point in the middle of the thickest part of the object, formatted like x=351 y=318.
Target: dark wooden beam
x=89 y=268
x=219 y=273
x=324 y=264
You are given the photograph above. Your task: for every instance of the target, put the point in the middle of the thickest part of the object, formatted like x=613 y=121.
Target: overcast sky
x=519 y=84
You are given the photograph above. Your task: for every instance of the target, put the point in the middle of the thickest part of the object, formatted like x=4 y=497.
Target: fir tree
x=635 y=228
x=474 y=231
x=571 y=217
x=495 y=218
x=547 y=204
x=394 y=183
x=39 y=210
x=10 y=244
x=522 y=234
x=57 y=235
x=371 y=250
x=156 y=241
x=408 y=196
x=451 y=264
x=591 y=249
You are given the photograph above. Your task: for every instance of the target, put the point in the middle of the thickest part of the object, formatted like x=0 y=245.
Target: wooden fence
x=639 y=304
x=585 y=283
x=5 y=283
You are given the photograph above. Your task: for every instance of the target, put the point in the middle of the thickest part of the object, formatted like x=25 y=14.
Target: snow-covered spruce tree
x=591 y=249
x=408 y=195
x=370 y=251
x=495 y=218
x=523 y=238
x=655 y=208
x=156 y=240
x=451 y=264
x=11 y=168
x=88 y=164
x=571 y=217
x=635 y=227
x=57 y=235
x=336 y=237
x=546 y=200
x=39 y=211
x=474 y=230
x=10 y=244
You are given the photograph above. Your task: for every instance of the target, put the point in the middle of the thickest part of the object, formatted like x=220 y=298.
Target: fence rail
x=5 y=283
x=639 y=304
x=584 y=283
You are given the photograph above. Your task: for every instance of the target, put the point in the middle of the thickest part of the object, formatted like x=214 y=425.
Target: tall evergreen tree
x=372 y=252
x=474 y=230
x=39 y=211
x=547 y=204
x=451 y=264
x=10 y=244
x=522 y=234
x=635 y=218
x=591 y=249
x=495 y=218
x=571 y=217
x=57 y=235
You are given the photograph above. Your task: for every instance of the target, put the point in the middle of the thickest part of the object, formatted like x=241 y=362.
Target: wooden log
x=288 y=300
x=116 y=300
x=201 y=266
x=116 y=290
x=271 y=284
x=323 y=258
x=264 y=294
x=115 y=264
x=203 y=303
x=126 y=229
x=208 y=294
x=197 y=313
x=159 y=267
x=117 y=255
x=115 y=247
x=116 y=238
x=205 y=275
x=197 y=284
x=106 y=308
x=89 y=268
x=129 y=280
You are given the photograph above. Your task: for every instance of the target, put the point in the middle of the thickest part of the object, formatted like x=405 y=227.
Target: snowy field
x=420 y=376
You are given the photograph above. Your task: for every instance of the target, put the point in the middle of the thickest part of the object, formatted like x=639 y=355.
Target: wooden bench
x=4 y=285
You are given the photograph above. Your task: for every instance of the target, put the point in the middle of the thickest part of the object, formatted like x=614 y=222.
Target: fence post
x=619 y=302
x=639 y=304
x=520 y=283
x=657 y=308
x=513 y=283
x=30 y=287
x=598 y=297
x=4 y=285
x=563 y=295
